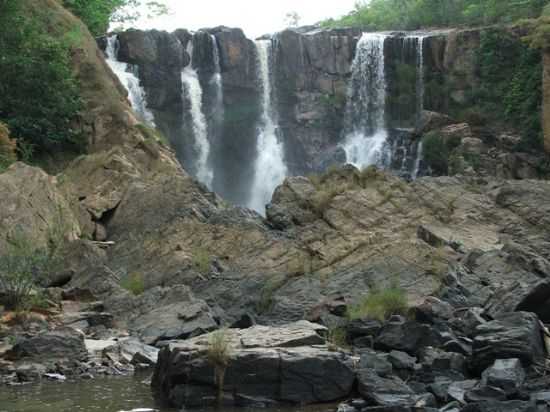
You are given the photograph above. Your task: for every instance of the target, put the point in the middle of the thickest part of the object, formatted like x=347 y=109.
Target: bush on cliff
x=97 y=14
x=21 y=268
x=39 y=94
x=7 y=148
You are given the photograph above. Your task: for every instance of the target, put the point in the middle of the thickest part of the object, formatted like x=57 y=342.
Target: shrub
x=7 y=148
x=153 y=134
x=40 y=95
x=218 y=353
x=381 y=304
x=22 y=266
x=202 y=260
x=437 y=151
x=134 y=283
x=337 y=338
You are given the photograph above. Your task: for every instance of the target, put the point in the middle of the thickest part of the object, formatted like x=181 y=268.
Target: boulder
x=377 y=362
x=401 y=360
x=430 y=121
x=407 y=336
x=284 y=370
x=174 y=321
x=506 y=374
x=132 y=351
x=31 y=205
x=62 y=342
x=510 y=335
x=389 y=392
x=500 y=406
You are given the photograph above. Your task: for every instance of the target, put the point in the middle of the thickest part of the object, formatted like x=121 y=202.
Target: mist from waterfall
x=365 y=119
x=192 y=91
x=269 y=167
x=127 y=74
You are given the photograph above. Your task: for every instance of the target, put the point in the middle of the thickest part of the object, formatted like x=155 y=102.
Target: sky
x=255 y=17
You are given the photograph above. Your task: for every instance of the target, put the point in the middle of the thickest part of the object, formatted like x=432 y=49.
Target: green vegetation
x=134 y=283
x=218 y=353
x=152 y=134
x=7 y=148
x=97 y=14
x=202 y=260
x=22 y=266
x=40 y=95
x=511 y=85
x=415 y=14
x=437 y=152
x=337 y=338
x=381 y=304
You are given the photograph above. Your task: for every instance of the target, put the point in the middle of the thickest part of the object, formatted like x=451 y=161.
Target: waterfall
x=216 y=82
x=420 y=76
x=365 y=119
x=420 y=88
x=269 y=167
x=191 y=90
x=127 y=74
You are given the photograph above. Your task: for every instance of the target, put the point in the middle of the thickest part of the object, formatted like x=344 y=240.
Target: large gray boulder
x=511 y=335
x=177 y=314
x=269 y=363
x=61 y=343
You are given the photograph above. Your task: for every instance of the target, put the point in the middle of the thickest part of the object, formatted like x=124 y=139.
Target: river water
x=103 y=394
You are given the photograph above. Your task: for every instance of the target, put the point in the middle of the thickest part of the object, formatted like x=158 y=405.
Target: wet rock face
x=311 y=74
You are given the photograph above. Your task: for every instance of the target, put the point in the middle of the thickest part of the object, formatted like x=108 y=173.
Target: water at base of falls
x=365 y=129
x=130 y=81
x=192 y=91
x=269 y=167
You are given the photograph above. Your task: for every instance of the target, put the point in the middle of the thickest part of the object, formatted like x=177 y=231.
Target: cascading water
x=420 y=88
x=193 y=92
x=365 y=119
x=216 y=82
x=269 y=168
x=127 y=75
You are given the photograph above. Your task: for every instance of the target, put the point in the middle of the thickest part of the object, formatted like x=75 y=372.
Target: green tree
x=97 y=14
x=39 y=93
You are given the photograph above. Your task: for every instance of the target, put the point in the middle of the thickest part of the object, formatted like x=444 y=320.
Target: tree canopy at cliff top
x=97 y=14
x=417 y=14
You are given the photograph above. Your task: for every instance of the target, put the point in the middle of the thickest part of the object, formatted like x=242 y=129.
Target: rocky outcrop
x=34 y=207
x=265 y=366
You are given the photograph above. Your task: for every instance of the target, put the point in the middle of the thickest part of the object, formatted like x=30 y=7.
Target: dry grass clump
x=381 y=304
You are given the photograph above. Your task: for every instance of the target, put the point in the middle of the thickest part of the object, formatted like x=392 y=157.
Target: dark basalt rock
x=511 y=335
x=506 y=374
x=270 y=364
x=63 y=342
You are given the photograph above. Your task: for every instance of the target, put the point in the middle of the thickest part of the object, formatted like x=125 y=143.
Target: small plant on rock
x=219 y=352
x=202 y=260
x=337 y=338
x=134 y=283
x=381 y=304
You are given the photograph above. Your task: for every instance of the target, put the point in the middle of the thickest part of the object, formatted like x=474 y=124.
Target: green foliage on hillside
x=511 y=85
x=416 y=14
x=39 y=94
x=97 y=14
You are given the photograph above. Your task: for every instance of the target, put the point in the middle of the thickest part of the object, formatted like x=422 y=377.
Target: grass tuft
x=381 y=304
